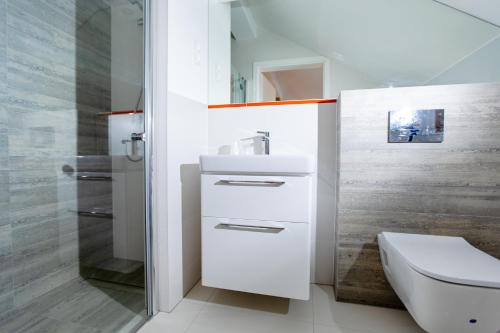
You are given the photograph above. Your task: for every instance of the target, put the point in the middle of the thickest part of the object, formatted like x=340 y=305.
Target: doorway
x=291 y=79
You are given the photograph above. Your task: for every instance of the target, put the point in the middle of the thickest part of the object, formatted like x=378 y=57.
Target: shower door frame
x=148 y=160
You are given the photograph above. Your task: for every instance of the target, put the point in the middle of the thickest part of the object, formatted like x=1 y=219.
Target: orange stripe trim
x=120 y=113
x=306 y=101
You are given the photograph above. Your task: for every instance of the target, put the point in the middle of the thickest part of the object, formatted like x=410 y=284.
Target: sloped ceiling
x=487 y=10
x=397 y=42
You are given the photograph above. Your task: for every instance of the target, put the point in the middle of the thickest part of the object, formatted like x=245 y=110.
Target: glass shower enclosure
x=73 y=245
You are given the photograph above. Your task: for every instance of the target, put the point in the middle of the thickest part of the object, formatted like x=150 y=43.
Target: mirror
x=268 y=50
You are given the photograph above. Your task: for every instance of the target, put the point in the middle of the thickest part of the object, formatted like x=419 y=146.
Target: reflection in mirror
x=268 y=50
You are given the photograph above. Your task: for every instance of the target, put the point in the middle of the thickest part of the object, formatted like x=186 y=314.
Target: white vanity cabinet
x=256 y=232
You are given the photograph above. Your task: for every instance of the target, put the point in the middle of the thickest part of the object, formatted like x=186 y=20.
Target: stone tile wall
x=450 y=188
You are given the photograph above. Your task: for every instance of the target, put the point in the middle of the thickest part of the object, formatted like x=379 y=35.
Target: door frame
x=151 y=301
x=288 y=64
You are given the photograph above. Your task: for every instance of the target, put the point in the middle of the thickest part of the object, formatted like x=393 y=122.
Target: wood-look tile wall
x=450 y=188
x=54 y=71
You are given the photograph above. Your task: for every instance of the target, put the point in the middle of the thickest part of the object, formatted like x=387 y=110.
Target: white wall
x=128 y=208
x=219 y=52
x=126 y=56
x=343 y=77
x=269 y=92
x=481 y=66
x=180 y=130
x=126 y=84
x=294 y=129
x=188 y=49
x=269 y=46
x=187 y=133
x=126 y=74
x=327 y=189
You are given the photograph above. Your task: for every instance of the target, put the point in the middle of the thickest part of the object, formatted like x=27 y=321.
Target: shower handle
x=134 y=139
x=138 y=137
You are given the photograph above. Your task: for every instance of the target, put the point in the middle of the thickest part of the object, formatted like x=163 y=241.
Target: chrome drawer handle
x=227 y=226
x=265 y=183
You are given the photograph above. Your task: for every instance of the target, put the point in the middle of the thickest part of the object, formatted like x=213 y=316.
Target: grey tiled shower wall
x=54 y=80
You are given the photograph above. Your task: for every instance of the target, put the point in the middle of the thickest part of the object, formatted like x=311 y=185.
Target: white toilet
x=447 y=285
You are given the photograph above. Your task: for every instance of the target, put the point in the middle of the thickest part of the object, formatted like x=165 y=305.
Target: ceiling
x=487 y=10
x=395 y=42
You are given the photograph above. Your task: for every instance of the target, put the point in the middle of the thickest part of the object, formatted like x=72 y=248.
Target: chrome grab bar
x=266 y=183
x=228 y=226
x=96 y=178
x=95 y=214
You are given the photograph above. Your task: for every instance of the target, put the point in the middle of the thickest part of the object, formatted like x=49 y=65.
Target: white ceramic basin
x=257 y=164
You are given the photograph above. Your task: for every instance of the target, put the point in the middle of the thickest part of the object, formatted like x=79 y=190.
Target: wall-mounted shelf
x=298 y=102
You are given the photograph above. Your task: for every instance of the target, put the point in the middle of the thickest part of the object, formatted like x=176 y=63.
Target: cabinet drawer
x=267 y=198
x=270 y=258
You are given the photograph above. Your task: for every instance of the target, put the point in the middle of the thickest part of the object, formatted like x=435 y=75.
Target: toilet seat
x=448 y=259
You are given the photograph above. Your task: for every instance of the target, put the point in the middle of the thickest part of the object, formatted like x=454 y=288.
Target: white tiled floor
x=206 y=310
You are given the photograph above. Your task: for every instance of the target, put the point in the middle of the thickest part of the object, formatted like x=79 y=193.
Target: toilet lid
x=449 y=259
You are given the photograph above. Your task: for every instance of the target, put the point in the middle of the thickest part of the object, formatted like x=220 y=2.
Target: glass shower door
x=72 y=190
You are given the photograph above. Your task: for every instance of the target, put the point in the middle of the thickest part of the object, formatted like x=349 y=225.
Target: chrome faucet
x=266 y=140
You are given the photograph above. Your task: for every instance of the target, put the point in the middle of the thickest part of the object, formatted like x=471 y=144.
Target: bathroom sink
x=257 y=164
